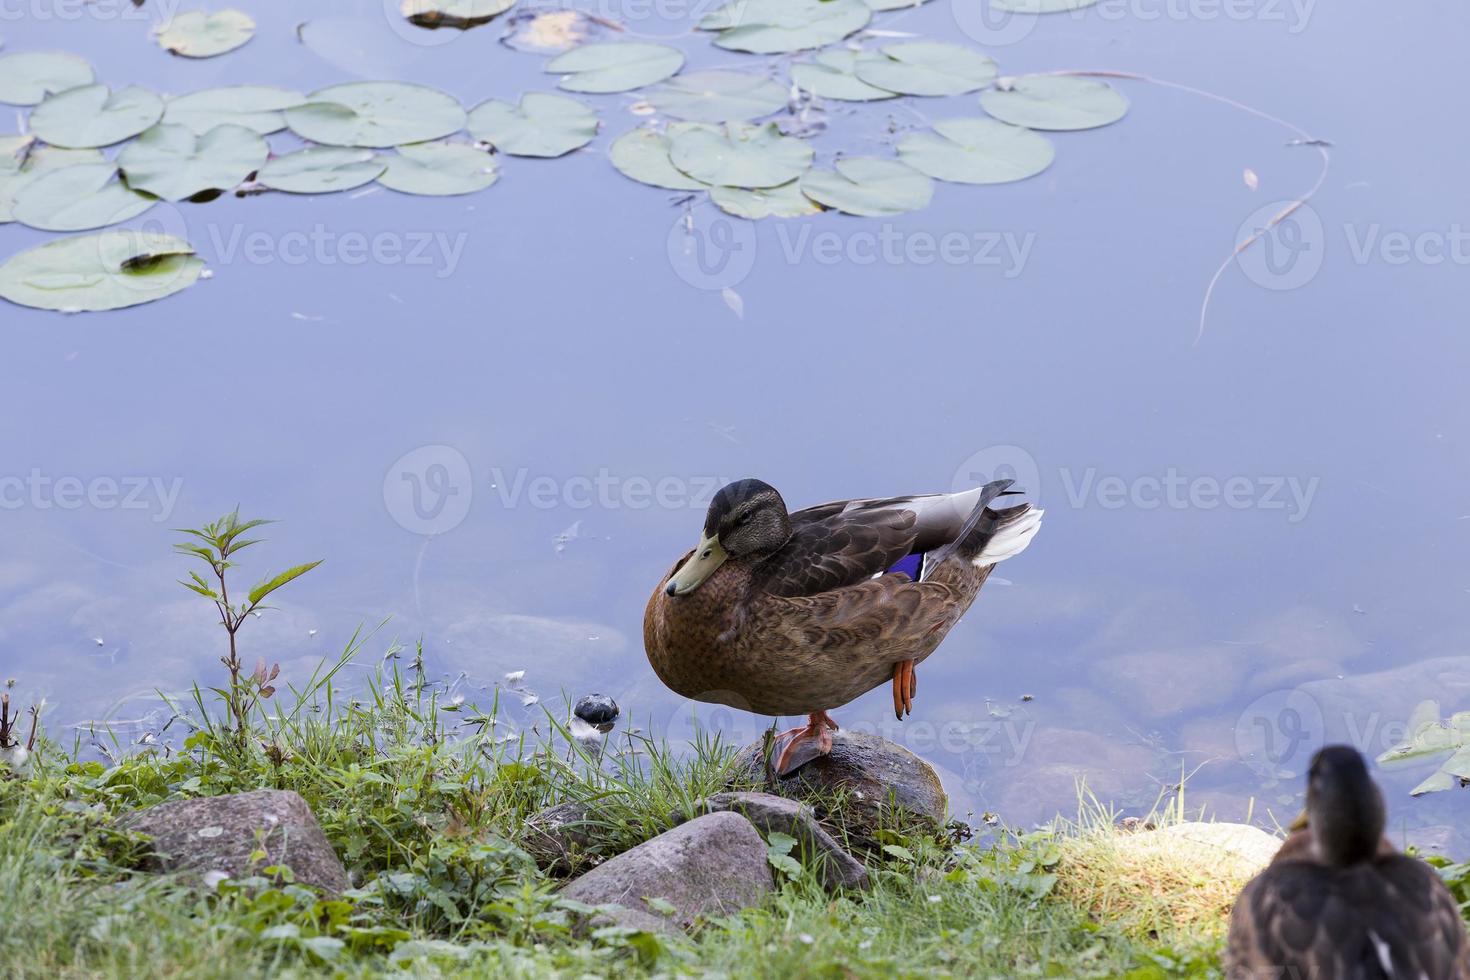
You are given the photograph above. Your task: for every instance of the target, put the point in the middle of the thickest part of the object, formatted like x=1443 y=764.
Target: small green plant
x=216 y=544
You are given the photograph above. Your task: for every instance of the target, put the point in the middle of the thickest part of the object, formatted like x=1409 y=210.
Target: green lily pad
x=321 y=170
x=93 y=116
x=376 y=114
x=643 y=155
x=28 y=77
x=776 y=26
x=543 y=125
x=1040 y=6
x=256 y=107
x=718 y=96
x=784 y=201
x=460 y=14
x=40 y=160
x=977 y=151
x=170 y=162
x=439 y=169
x=615 y=66
x=197 y=34
x=108 y=271
x=740 y=155
x=927 y=68
x=833 y=75
x=79 y=198
x=869 y=186
x=1056 y=102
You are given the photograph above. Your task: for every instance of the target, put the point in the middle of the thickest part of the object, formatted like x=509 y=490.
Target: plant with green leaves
x=215 y=544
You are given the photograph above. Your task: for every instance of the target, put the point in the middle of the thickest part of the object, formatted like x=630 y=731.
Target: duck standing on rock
x=791 y=614
x=1338 y=902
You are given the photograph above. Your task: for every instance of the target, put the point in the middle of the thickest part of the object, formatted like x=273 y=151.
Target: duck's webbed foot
x=905 y=686
x=802 y=745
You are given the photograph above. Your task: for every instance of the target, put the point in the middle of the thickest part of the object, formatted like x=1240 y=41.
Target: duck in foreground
x=798 y=614
x=1338 y=902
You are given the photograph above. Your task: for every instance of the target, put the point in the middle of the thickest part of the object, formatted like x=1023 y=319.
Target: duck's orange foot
x=802 y=745
x=905 y=686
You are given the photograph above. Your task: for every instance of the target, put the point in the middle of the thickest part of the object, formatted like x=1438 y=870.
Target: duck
x=782 y=613
x=1338 y=901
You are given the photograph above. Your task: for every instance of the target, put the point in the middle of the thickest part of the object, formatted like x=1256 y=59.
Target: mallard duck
x=798 y=614
x=1338 y=902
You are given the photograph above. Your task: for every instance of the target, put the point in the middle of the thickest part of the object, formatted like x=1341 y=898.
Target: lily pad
x=776 y=26
x=740 y=155
x=79 y=198
x=718 y=96
x=784 y=201
x=615 y=66
x=27 y=77
x=256 y=107
x=170 y=162
x=543 y=125
x=321 y=170
x=643 y=155
x=1055 y=102
x=40 y=160
x=1040 y=6
x=927 y=68
x=439 y=169
x=93 y=116
x=461 y=14
x=833 y=75
x=977 y=151
x=197 y=34
x=107 y=271
x=872 y=187
x=376 y=114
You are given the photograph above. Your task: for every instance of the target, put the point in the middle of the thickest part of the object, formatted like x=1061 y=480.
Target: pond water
x=1255 y=540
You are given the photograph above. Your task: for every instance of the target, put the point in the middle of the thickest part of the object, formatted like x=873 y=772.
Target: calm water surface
x=1253 y=542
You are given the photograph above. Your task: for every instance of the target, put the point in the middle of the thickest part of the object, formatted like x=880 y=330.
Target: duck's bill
x=699 y=566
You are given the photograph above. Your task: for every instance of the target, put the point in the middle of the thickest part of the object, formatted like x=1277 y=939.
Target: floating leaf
x=461 y=14
x=1056 y=102
x=78 y=198
x=107 y=271
x=977 y=151
x=321 y=170
x=833 y=75
x=785 y=201
x=615 y=66
x=256 y=107
x=740 y=155
x=643 y=155
x=927 y=68
x=170 y=162
x=376 y=114
x=197 y=34
x=40 y=160
x=776 y=26
x=93 y=116
x=27 y=77
x=869 y=186
x=543 y=125
x=439 y=169
x=1039 y=6
x=718 y=96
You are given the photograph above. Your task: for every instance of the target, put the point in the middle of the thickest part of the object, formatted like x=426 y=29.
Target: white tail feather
x=1010 y=540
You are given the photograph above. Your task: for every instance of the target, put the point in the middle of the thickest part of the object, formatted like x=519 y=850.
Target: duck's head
x=746 y=520
x=1344 y=807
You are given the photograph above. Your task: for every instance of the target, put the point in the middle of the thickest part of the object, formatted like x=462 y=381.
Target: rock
x=775 y=814
x=713 y=865
x=219 y=833
x=561 y=840
x=883 y=786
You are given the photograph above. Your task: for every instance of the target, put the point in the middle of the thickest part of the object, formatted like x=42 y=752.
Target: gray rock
x=775 y=814
x=219 y=833
x=713 y=865
x=883 y=786
x=562 y=839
